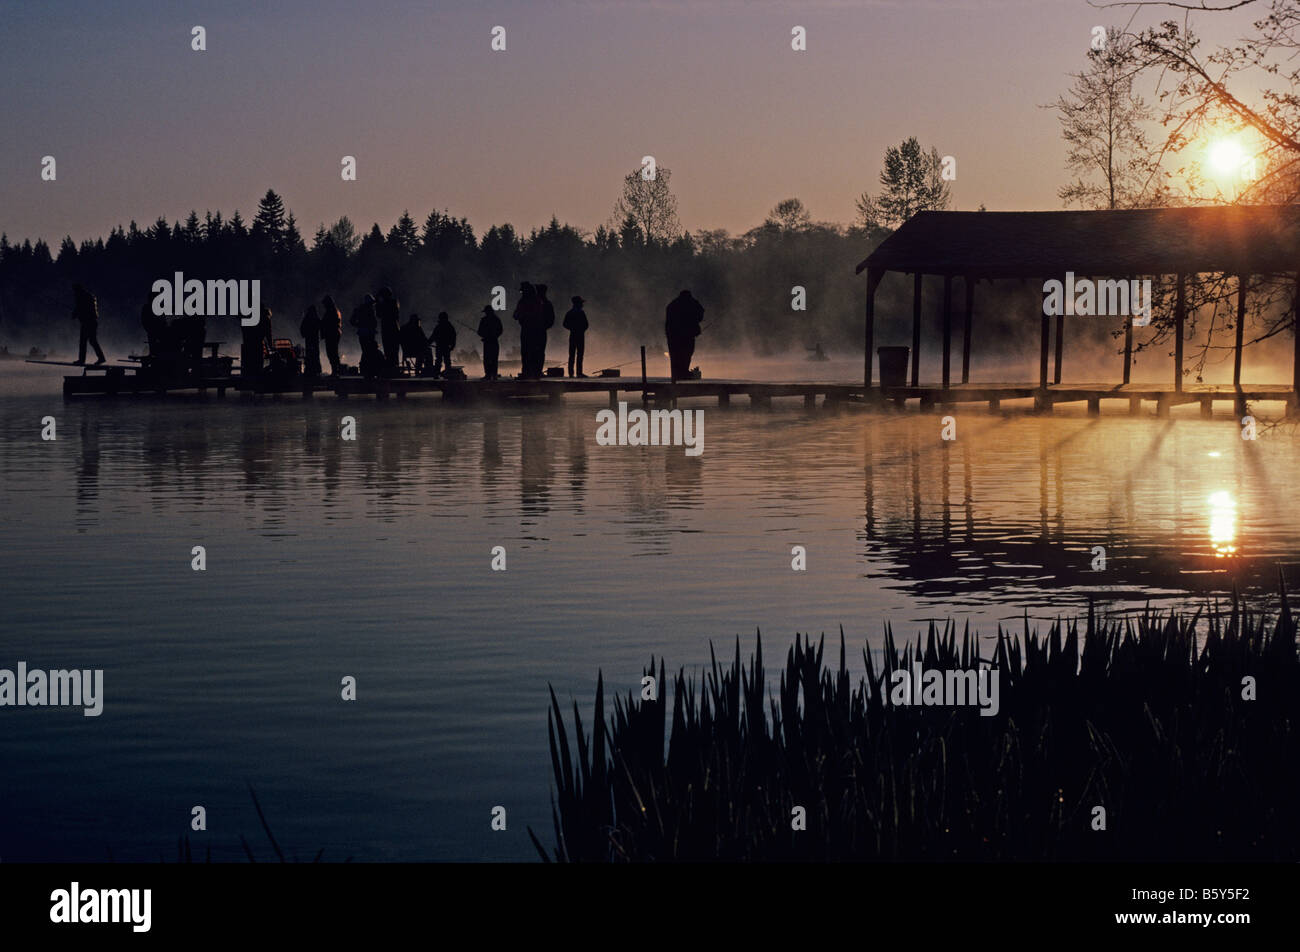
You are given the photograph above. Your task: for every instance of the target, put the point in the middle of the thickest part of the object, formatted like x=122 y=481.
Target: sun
x=1226 y=156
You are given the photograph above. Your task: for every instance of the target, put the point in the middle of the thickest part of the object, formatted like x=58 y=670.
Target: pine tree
x=911 y=181
x=403 y=235
x=269 y=222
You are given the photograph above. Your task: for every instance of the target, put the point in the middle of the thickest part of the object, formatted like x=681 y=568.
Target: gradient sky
x=143 y=126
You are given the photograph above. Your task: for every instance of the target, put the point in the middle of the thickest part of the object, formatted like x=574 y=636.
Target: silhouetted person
x=195 y=330
x=85 y=310
x=530 y=315
x=367 y=325
x=548 y=321
x=443 y=339
x=256 y=339
x=575 y=322
x=490 y=330
x=331 y=330
x=155 y=329
x=387 y=310
x=415 y=346
x=681 y=326
x=310 y=331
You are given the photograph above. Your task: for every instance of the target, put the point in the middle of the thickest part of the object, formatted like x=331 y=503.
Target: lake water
x=371 y=559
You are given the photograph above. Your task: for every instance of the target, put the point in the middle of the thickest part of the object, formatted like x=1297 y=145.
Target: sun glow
x=1223 y=524
x=1226 y=157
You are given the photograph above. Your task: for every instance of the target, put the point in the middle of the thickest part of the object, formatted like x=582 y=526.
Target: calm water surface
x=372 y=558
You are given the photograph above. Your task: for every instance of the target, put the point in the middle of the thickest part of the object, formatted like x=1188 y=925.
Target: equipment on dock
x=609 y=372
x=695 y=373
x=454 y=373
x=555 y=371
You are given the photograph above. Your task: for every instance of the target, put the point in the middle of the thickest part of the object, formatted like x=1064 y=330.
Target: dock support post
x=1180 y=318
x=916 y=330
x=947 y=330
x=1094 y=406
x=810 y=401
x=995 y=404
x=1162 y=406
x=965 y=339
x=613 y=399
x=1207 y=407
x=724 y=399
x=1134 y=405
x=869 y=332
x=643 y=380
x=1241 y=329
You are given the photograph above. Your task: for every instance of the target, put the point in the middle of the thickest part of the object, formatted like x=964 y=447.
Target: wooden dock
x=114 y=381
x=760 y=393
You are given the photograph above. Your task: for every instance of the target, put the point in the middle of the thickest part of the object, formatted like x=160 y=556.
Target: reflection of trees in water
x=1000 y=544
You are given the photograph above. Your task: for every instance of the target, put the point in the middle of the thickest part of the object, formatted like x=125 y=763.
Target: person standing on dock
x=575 y=322
x=548 y=321
x=388 y=312
x=528 y=312
x=331 y=330
x=255 y=341
x=415 y=346
x=681 y=326
x=364 y=320
x=155 y=329
x=490 y=329
x=443 y=339
x=85 y=310
x=310 y=330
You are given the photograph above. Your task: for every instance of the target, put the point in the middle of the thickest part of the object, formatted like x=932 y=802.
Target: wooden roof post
x=1295 y=328
x=947 y=328
x=873 y=282
x=1060 y=346
x=1042 y=352
x=965 y=341
x=1241 y=329
x=1180 y=318
x=916 y=330
x=1128 y=347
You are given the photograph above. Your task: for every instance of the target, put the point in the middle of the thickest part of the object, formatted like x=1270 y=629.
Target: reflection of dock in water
x=944 y=526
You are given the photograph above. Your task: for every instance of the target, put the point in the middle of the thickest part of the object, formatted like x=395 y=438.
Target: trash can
x=893 y=366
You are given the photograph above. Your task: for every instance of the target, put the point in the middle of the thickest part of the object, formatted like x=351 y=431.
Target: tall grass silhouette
x=1143 y=717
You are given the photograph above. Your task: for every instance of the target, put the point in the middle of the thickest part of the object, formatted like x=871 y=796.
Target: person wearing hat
x=529 y=314
x=575 y=322
x=443 y=339
x=489 y=328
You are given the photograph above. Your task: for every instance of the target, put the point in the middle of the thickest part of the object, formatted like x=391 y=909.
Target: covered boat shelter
x=1240 y=240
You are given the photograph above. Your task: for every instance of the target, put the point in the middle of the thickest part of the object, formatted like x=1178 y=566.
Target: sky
x=141 y=125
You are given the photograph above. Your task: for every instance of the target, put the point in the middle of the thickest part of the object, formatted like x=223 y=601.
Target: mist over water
x=327 y=558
